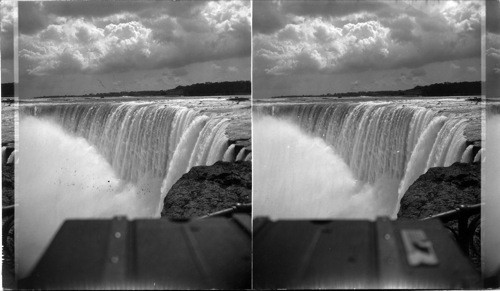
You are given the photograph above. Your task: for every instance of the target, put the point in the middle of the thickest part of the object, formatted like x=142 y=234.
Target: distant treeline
x=450 y=89
x=8 y=90
x=199 y=89
x=438 y=89
x=221 y=88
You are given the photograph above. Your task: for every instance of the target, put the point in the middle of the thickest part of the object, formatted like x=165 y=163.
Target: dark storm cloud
x=116 y=36
x=493 y=16
x=7 y=30
x=8 y=15
x=37 y=15
x=267 y=17
x=493 y=65
x=270 y=16
x=100 y=8
x=31 y=17
x=493 y=49
x=332 y=8
x=402 y=30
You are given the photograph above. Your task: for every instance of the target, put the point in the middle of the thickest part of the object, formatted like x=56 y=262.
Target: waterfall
x=241 y=155
x=143 y=140
x=381 y=142
x=229 y=154
x=12 y=157
x=373 y=138
x=204 y=143
x=467 y=156
x=477 y=158
x=440 y=145
x=4 y=155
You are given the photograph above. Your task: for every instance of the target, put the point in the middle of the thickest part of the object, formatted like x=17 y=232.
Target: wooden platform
x=358 y=254
x=147 y=254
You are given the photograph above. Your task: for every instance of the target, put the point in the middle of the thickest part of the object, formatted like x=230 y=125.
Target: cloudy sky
x=317 y=47
x=493 y=49
x=7 y=40
x=80 y=47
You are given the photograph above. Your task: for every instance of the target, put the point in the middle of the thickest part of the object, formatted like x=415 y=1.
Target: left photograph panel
x=133 y=157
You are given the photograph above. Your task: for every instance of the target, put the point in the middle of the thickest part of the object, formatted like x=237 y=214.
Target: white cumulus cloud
x=119 y=39
x=340 y=37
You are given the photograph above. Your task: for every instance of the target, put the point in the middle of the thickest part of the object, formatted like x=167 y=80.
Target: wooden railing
x=237 y=208
x=468 y=218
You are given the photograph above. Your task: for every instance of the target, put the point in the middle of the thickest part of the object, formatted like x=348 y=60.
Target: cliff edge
x=207 y=189
x=442 y=189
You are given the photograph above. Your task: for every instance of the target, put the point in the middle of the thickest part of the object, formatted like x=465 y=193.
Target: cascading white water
x=12 y=157
x=229 y=154
x=4 y=155
x=300 y=176
x=241 y=155
x=467 y=156
x=477 y=157
x=142 y=139
x=381 y=142
x=136 y=139
x=202 y=144
x=102 y=160
x=373 y=138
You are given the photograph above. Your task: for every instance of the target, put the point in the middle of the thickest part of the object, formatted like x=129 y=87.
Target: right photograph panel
x=491 y=165
x=367 y=144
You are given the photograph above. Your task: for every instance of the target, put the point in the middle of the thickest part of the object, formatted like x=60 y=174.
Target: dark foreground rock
x=8 y=184
x=442 y=189
x=472 y=132
x=206 y=189
x=8 y=227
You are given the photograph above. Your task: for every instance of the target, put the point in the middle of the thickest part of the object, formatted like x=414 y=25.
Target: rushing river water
x=352 y=159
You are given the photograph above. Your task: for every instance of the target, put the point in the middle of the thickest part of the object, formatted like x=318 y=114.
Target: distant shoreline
x=226 y=88
x=434 y=90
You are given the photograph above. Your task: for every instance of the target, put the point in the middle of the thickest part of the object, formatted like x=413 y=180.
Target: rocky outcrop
x=7 y=150
x=239 y=132
x=472 y=133
x=206 y=189
x=8 y=226
x=7 y=184
x=442 y=189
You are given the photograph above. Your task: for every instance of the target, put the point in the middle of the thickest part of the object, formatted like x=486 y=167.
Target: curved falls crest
x=143 y=140
x=385 y=145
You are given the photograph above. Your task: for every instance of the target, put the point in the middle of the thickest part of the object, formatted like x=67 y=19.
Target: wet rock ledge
x=207 y=189
x=8 y=220
x=442 y=189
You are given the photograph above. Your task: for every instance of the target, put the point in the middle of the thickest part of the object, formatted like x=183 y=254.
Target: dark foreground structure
x=147 y=254
x=333 y=254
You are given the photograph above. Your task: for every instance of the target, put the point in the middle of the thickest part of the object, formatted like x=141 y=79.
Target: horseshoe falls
x=347 y=160
x=102 y=159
